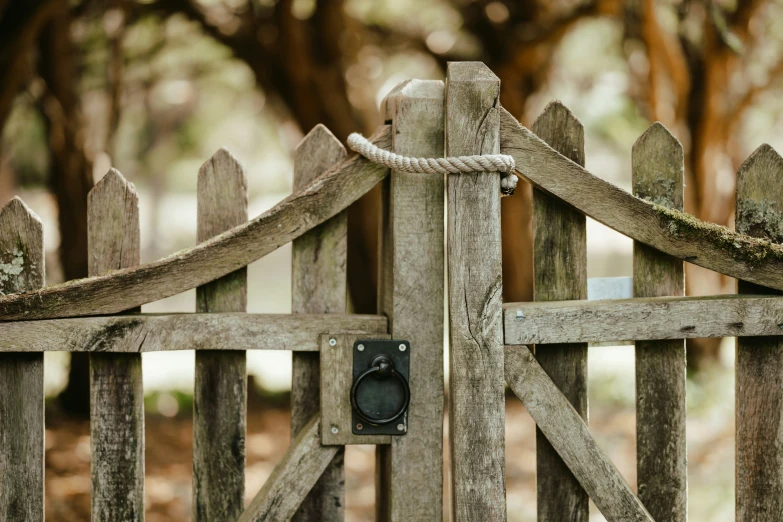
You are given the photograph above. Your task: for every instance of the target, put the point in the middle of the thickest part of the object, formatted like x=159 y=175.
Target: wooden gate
x=539 y=349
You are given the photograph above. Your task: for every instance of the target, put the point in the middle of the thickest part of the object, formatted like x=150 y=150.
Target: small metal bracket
x=380 y=392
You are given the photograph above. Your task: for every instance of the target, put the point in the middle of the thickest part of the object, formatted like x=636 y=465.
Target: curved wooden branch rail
x=675 y=233
x=322 y=199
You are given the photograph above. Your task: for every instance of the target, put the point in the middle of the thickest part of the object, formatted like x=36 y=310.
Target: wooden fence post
x=412 y=298
x=319 y=286
x=661 y=450
x=21 y=375
x=220 y=398
x=560 y=273
x=477 y=383
x=759 y=402
x=116 y=388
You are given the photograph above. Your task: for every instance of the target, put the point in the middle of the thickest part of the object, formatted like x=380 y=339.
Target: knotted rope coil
x=502 y=163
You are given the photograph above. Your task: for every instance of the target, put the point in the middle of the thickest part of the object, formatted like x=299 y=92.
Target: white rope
x=451 y=165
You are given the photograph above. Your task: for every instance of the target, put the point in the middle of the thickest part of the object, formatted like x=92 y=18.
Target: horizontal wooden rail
x=642 y=319
x=320 y=200
x=568 y=434
x=155 y=333
x=675 y=233
x=293 y=477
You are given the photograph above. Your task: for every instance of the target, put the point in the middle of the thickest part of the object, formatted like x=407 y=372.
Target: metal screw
x=359 y=426
x=400 y=427
x=360 y=347
x=332 y=342
x=335 y=430
x=403 y=347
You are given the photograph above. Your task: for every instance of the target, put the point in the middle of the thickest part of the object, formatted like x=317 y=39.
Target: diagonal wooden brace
x=293 y=477
x=570 y=437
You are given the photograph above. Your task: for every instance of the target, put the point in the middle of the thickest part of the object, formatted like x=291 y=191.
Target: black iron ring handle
x=375 y=368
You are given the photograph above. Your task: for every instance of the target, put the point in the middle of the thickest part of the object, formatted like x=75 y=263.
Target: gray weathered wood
x=477 y=407
x=642 y=319
x=412 y=298
x=21 y=375
x=116 y=387
x=293 y=477
x=661 y=456
x=220 y=393
x=336 y=380
x=675 y=233
x=560 y=273
x=759 y=370
x=326 y=197
x=569 y=435
x=158 y=333
x=318 y=266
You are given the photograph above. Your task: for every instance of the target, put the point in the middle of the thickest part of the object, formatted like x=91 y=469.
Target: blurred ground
x=612 y=421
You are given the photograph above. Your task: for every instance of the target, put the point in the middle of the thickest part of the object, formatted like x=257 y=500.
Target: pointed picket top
x=223 y=167
x=222 y=194
x=760 y=162
x=657 y=133
x=658 y=167
x=113 y=235
x=549 y=127
x=21 y=248
x=760 y=195
x=113 y=178
x=323 y=151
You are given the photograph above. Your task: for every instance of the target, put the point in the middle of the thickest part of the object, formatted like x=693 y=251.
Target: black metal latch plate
x=380 y=393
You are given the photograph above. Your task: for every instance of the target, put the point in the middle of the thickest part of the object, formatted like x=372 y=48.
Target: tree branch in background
x=20 y=24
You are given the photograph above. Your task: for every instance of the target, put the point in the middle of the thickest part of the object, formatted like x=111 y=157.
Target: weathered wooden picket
x=488 y=339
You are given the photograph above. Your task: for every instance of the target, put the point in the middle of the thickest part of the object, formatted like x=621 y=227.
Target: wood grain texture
x=220 y=392
x=321 y=200
x=336 y=381
x=569 y=435
x=293 y=477
x=477 y=407
x=412 y=297
x=560 y=273
x=318 y=263
x=661 y=450
x=21 y=375
x=642 y=319
x=672 y=232
x=116 y=387
x=138 y=333
x=759 y=367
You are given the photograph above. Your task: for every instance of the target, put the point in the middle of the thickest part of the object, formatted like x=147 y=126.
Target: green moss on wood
x=749 y=250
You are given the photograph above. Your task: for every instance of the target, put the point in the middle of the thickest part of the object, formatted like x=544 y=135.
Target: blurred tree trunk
x=20 y=25
x=70 y=175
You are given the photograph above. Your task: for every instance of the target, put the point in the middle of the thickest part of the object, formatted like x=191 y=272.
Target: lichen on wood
x=760 y=218
x=750 y=250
